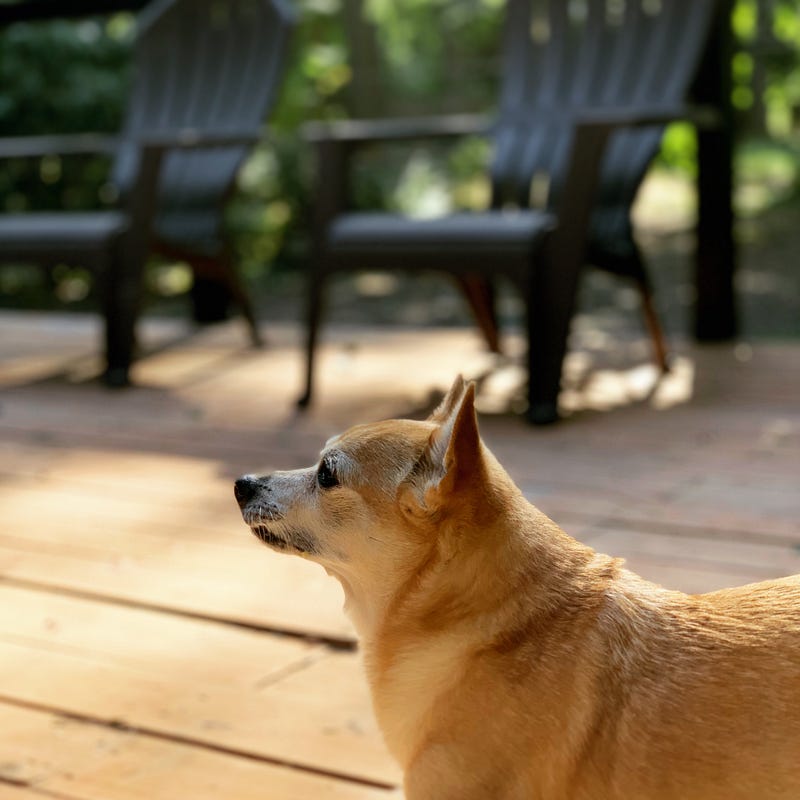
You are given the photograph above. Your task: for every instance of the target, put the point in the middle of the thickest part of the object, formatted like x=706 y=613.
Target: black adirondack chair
x=587 y=89
x=206 y=76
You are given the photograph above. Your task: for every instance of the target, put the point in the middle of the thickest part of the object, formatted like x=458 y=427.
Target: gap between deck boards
x=68 y=759
x=177 y=738
x=14 y=790
x=340 y=644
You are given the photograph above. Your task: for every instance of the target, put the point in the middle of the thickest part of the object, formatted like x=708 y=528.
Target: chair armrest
x=193 y=139
x=642 y=116
x=377 y=130
x=97 y=143
x=57 y=145
x=364 y=131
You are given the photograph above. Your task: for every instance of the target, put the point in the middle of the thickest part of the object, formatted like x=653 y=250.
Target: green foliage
x=427 y=43
x=744 y=19
x=768 y=175
x=679 y=148
x=61 y=77
x=766 y=64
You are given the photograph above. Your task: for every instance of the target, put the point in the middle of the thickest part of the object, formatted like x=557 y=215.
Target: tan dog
x=507 y=660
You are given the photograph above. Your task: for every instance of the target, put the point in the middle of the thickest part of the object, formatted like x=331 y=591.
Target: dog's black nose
x=245 y=489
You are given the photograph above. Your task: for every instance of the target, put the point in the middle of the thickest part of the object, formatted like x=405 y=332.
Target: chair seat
x=463 y=235
x=192 y=230
x=59 y=236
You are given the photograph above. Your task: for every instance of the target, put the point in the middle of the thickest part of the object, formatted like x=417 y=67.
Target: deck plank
x=76 y=760
x=266 y=696
x=254 y=588
x=124 y=562
x=753 y=560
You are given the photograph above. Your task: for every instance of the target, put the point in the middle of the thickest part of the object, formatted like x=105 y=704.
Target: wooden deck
x=150 y=648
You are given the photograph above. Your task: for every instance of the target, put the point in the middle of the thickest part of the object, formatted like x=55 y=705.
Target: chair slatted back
x=209 y=65
x=566 y=55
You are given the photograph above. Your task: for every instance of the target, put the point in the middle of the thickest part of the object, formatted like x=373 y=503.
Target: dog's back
x=700 y=695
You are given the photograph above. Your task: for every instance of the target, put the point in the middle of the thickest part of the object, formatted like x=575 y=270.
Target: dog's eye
x=326 y=477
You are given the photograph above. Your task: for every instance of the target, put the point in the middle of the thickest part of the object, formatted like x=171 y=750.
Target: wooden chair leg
x=480 y=295
x=543 y=353
x=550 y=300
x=216 y=274
x=210 y=298
x=122 y=290
x=633 y=266
x=654 y=328
x=315 y=298
x=223 y=270
x=241 y=297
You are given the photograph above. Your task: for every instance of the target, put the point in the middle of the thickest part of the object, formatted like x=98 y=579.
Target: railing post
x=715 y=308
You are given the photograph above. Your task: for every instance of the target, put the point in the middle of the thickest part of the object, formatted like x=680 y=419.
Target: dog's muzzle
x=261 y=514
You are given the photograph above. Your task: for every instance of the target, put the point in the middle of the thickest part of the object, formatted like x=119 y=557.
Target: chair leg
x=241 y=297
x=653 y=324
x=210 y=298
x=122 y=279
x=313 y=321
x=223 y=272
x=634 y=266
x=480 y=295
x=550 y=299
x=543 y=352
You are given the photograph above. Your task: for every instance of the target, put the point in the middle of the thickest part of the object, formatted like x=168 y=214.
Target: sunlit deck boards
x=150 y=648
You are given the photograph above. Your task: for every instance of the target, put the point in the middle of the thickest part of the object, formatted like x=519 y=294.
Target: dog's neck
x=517 y=549
x=460 y=601
x=365 y=599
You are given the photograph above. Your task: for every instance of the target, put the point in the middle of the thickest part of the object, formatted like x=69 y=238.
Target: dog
x=506 y=660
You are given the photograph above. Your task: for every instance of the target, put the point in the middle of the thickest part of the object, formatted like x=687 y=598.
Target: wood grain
x=76 y=760
x=265 y=696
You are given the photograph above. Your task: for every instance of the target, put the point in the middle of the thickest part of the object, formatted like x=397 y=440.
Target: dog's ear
x=451 y=399
x=451 y=456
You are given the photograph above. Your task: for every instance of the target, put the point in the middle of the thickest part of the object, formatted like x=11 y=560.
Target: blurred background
x=374 y=58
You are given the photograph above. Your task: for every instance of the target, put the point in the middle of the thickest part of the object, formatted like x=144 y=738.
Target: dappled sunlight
x=594 y=387
x=676 y=387
x=666 y=202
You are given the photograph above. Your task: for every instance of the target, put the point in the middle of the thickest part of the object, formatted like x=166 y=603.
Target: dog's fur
x=507 y=660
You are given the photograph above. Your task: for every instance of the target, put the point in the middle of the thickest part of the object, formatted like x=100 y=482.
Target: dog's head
x=380 y=497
